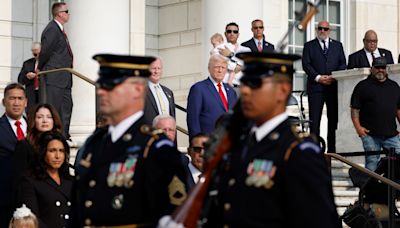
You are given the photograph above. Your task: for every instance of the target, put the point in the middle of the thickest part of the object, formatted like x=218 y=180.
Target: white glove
x=167 y=222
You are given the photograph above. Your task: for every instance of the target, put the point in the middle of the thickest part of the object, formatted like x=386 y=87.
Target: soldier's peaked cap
x=261 y=65
x=114 y=69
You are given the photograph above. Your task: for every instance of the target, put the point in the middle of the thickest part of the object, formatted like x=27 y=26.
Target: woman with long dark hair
x=46 y=189
x=41 y=118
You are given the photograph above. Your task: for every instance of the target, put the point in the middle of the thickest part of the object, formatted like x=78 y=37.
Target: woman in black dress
x=46 y=190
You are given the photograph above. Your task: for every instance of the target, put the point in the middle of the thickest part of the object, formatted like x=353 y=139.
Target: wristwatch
x=231 y=55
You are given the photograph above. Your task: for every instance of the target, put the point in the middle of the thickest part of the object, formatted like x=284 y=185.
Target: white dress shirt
x=118 y=130
x=163 y=97
x=24 y=125
x=267 y=127
x=369 y=55
x=216 y=86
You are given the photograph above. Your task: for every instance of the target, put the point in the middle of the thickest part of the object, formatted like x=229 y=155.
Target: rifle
x=222 y=141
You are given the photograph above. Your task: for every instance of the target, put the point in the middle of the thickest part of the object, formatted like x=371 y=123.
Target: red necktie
x=36 y=80
x=69 y=47
x=20 y=133
x=259 y=47
x=223 y=98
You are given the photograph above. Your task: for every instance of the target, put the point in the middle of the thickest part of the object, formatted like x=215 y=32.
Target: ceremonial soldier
x=272 y=177
x=126 y=175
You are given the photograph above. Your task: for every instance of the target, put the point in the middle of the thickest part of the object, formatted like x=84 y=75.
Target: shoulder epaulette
x=304 y=140
x=154 y=134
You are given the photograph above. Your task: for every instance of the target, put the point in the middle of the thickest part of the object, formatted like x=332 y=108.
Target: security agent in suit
x=273 y=177
x=258 y=43
x=365 y=56
x=321 y=56
x=28 y=76
x=14 y=102
x=56 y=53
x=159 y=99
x=205 y=104
x=126 y=175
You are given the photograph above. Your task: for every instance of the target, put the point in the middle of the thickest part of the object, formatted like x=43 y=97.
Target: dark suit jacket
x=267 y=47
x=8 y=140
x=359 y=58
x=204 y=106
x=316 y=63
x=28 y=66
x=150 y=107
x=49 y=201
x=55 y=54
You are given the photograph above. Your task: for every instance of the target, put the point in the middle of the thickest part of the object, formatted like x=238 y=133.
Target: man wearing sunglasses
x=258 y=43
x=375 y=106
x=365 y=56
x=234 y=64
x=321 y=56
x=272 y=177
x=127 y=175
x=57 y=53
x=29 y=78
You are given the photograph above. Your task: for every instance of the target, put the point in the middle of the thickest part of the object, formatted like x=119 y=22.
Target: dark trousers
x=316 y=102
x=61 y=99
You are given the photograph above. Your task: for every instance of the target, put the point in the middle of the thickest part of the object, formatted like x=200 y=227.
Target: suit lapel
x=214 y=92
x=228 y=95
x=152 y=100
x=63 y=188
x=7 y=127
x=169 y=97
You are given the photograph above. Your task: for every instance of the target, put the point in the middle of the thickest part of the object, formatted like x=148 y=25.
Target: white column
x=95 y=26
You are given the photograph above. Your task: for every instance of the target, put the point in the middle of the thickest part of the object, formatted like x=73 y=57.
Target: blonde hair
x=217 y=36
x=23 y=218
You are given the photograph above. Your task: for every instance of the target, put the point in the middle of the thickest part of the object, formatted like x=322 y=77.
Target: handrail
x=364 y=170
x=72 y=71
x=90 y=81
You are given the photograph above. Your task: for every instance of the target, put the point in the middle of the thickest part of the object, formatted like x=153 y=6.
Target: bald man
x=370 y=51
x=321 y=56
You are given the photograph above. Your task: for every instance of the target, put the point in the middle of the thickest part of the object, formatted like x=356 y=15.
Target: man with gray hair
x=166 y=123
x=210 y=98
x=29 y=77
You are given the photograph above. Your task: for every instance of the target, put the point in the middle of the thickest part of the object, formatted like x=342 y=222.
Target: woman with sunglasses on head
x=46 y=189
x=42 y=118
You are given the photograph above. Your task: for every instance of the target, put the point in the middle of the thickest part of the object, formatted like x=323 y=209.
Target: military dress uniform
x=279 y=180
x=131 y=182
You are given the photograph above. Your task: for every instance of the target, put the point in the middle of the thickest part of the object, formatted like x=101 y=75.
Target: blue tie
x=325 y=51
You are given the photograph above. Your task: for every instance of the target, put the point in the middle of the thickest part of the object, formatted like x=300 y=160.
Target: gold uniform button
x=58 y=203
x=227 y=206
x=88 y=222
x=231 y=182
x=88 y=203
x=92 y=183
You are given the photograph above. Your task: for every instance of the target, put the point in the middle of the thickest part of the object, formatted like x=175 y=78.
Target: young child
x=217 y=40
x=23 y=218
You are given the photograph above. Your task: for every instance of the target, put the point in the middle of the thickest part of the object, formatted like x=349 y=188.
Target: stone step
x=344 y=182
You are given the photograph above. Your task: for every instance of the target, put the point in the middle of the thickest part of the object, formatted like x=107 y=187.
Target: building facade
x=178 y=31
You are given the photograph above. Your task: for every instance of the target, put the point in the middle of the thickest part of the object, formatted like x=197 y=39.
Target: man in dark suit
x=365 y=56
x=12 y=128
x=159 y=98
x=321 y=56
x=28 y=77
x=271 y=177
x=258 y=43
x=56 y=53
x=126 y=173
x=210 y=98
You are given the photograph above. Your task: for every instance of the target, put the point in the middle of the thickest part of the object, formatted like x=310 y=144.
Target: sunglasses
x=323 y=28
x=259 y=27
x=232 y=31
x=197 y=149
x=65 y=11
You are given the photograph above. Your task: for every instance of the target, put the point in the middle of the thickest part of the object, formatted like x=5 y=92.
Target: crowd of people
x=129 y=172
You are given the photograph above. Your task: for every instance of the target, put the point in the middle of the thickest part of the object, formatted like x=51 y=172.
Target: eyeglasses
x=323 y=28
x=196 y=149
x=232 y=31
x=372 y=41
x=65 y=11
x=258 y=27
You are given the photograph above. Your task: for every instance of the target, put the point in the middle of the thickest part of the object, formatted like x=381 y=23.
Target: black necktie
x=250 y=142
x=373 y=56
x=325 y=51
